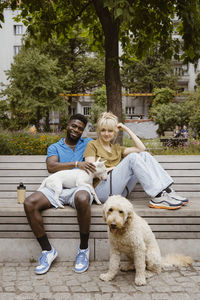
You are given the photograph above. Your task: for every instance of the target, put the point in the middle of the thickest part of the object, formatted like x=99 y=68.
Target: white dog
x=74 y=178
x=130 y=234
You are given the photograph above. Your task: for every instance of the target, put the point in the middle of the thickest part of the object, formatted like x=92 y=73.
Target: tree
x=138 y=25
x=144 y=75
x=169 y=115
x=163 y=96
x=33 y=89
x=83 y=71
x=193 y=107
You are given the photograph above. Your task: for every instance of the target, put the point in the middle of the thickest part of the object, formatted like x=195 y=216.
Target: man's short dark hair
x=79 y=117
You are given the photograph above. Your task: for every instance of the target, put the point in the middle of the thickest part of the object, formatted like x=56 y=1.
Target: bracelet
x=76 y=164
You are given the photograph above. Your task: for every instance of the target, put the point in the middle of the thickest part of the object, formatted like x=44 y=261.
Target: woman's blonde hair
x=107 y=120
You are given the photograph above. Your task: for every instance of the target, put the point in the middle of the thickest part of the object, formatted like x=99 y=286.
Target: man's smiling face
x=75 y=129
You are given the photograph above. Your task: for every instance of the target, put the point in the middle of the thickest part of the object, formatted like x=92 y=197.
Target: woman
x=127 y=166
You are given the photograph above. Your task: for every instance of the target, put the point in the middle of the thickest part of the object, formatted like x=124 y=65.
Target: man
x=63 y=155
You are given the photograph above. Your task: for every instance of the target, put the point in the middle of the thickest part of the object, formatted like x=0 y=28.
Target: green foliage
x=163 y=96
x=4 y=120
x=22 y=143
x=99 y=105
x=193 y=107
x=150 y=22
x=169 y=115
x=82 y=71
x=144 y=75
x=139 y=25
x=33 y=89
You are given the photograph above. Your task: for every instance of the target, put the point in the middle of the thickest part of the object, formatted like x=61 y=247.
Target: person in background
x=184 y=132
x=176 y=132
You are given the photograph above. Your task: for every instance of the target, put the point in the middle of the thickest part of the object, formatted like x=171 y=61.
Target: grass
x=154 y=146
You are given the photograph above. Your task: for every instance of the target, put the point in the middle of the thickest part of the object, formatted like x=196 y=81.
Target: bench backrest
x=31 y=170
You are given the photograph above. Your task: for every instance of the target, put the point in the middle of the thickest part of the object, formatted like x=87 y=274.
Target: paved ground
x=18 y=281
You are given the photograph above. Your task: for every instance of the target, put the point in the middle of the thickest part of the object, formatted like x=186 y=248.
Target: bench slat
x=138 y=188
x=22 y=173
x=22 y=166
x=41 y=173
x=35 y=180
x=99 y=220
x=98 y=227
x=38 y=165
x=180 y=166
x=134 y=194
x=22 y=158
x=98 y=235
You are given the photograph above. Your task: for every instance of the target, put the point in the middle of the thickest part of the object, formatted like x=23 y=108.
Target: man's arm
x=53 y=165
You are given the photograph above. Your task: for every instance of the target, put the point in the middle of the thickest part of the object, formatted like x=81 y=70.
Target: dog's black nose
x=113 y=226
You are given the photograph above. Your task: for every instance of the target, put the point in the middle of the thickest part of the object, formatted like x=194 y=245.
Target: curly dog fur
x=130 y=234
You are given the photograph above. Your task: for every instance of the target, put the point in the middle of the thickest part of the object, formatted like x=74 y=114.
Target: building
x=11 y=35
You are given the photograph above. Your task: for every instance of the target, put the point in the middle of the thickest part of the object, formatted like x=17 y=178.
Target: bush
x=169 y=115
x=21 y=143
x=163 y=96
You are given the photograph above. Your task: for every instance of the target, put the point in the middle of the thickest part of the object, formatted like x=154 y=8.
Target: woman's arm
x=139 y=146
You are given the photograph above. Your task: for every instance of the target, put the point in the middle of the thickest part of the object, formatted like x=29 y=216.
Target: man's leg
x=82 y=204
x=33 y=206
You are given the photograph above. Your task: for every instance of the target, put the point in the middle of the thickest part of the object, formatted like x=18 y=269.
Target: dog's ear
x=130 y=214
x=104 y=213
x=103 y=162
x=98 y=159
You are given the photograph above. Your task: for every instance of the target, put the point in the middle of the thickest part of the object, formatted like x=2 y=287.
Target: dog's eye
x=121 y=211
x=110 y=209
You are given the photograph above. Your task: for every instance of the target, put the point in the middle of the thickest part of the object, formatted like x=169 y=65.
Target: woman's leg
x=141 y=167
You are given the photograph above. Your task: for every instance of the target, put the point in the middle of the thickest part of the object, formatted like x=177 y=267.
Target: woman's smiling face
x=106 y=134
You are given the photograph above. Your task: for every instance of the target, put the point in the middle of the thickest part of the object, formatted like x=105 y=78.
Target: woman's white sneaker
x=175 y=196
x=165 y=202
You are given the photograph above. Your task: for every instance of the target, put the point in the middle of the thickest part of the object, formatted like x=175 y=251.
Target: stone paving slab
x=18 y=281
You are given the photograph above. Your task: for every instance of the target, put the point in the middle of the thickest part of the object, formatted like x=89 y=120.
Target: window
x=179 y=71
x=130 y=110
x=72 y=111
x=18 y=29
x=17 y=49
x=86 y=110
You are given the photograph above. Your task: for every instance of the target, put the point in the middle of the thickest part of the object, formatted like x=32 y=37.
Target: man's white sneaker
x=45 y=260
x=175 y=196
x=165 y=202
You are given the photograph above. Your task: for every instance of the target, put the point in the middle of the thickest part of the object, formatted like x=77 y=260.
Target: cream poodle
x=130 y=234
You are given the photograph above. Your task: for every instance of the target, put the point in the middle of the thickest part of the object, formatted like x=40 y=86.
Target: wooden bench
x=170 y=141
x=173 y=142
x=176 y=230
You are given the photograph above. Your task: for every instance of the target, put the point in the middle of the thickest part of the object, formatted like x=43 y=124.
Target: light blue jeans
x=136 y=167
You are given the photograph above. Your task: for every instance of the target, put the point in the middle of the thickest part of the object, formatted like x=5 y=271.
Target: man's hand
x=86 y=166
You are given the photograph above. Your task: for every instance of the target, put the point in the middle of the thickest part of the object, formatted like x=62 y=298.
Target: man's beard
x=72 y=139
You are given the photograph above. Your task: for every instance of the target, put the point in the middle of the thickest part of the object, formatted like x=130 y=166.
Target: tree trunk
x=47 y=125
x=112 y=72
